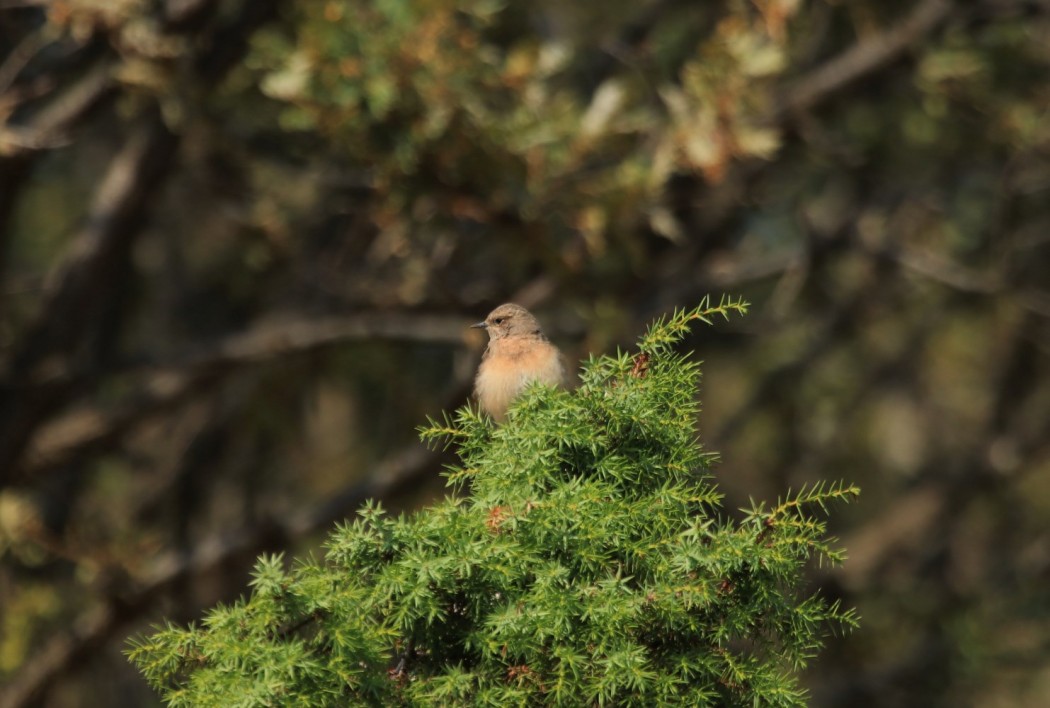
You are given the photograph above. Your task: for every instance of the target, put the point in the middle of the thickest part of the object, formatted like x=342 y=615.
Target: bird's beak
x=480 y=325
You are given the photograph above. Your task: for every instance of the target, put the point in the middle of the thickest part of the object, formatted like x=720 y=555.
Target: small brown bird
x=517 y=354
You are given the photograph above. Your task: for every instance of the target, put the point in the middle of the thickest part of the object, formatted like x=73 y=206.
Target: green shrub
x=583 y=560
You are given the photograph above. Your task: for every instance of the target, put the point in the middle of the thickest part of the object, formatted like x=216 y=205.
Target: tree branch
x=81 y=286
x=96 y=628
x=867 y=56
x=84 y=285
x=51 y=124
x=89 y=431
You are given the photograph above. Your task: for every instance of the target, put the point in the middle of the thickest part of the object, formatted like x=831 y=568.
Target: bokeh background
x=241 y=240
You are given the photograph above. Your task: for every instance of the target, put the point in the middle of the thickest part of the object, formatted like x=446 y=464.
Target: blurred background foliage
x=240 y=241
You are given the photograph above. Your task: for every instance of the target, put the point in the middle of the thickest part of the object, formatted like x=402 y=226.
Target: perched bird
x=517 y=354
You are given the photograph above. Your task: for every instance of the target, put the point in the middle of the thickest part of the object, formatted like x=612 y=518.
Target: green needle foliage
x=589 y=564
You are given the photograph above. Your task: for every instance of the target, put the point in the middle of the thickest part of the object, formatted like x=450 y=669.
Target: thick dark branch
x=82 y=285
x=84 y=288
x=49 y=127
x=83 y=278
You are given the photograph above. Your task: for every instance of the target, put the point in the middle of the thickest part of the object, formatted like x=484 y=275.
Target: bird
x=517 y=354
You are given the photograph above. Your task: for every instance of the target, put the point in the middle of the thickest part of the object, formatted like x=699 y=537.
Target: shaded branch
x=81 y=286
x=90 y=431
x=51 y=125
x=717 y=205
x=395 y=475
x=864 y=58
x=82 y=290
x=67 y=651
x=19 y=57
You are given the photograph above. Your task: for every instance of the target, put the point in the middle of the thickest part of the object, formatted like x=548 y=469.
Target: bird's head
x=509 y=320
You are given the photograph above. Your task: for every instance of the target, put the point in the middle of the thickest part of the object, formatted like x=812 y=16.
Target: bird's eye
x=499 y=320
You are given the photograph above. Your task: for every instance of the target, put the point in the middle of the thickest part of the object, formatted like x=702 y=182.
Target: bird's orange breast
x=511 y=364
